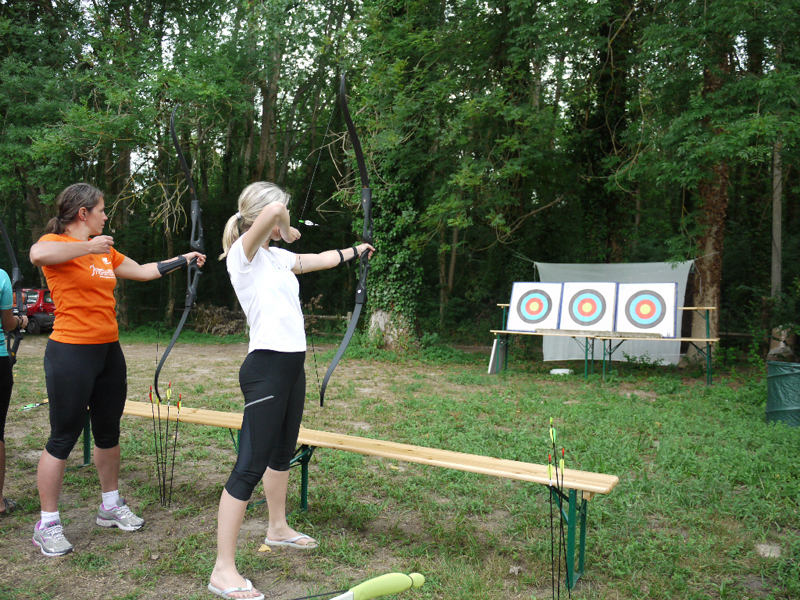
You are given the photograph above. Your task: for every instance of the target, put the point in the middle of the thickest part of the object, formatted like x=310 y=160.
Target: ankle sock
x=110 y=499
x=49 y=517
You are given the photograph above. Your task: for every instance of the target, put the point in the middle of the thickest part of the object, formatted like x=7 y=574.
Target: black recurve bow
x=366 y=236
x=195 y=243
x=16 y=285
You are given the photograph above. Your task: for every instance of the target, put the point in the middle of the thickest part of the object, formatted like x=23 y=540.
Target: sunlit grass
x=703 y=480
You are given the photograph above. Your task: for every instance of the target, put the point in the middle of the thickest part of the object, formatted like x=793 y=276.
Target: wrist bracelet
x=341 y=256
x=355 y=255
x=167 y=266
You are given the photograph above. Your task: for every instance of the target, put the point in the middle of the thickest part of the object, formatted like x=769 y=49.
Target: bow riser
x=366 y=205
x=196 y=240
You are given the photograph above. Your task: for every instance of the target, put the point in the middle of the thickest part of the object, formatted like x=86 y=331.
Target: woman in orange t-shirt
x=83 y=362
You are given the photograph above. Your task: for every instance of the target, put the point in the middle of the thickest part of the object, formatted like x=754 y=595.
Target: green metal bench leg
x=303 y=457
x=582 y=553
x=570 y=514
x=586 y=358
x=570 y=574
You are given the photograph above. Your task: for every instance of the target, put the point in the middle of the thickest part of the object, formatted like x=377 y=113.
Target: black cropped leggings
x=6 y=383
x=274 y=388
x=81 y=376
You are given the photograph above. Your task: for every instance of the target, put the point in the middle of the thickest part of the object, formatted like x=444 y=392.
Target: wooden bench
x=573 y=509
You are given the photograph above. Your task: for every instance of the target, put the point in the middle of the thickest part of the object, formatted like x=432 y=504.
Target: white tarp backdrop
x=556 y=348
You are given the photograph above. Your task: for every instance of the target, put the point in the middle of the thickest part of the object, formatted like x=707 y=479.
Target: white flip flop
x=292 y=543
x=233 y=590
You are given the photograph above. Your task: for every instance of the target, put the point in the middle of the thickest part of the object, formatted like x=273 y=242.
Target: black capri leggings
x=6 y=383
x=78 y=377
x=274 y=387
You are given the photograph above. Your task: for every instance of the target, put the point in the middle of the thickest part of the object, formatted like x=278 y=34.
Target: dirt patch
x=173 y=554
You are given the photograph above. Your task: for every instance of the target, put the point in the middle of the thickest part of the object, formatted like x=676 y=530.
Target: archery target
x=589 y=306
x=534 y=306
x=647 y=308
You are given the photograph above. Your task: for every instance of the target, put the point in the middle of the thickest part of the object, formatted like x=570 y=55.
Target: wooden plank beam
x=591 y=483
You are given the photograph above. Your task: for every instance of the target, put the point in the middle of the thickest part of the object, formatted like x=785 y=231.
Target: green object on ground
x=783 y=393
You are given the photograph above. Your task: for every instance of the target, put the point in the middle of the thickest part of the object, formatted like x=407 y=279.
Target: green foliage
x=496 y=134
x=788 y=571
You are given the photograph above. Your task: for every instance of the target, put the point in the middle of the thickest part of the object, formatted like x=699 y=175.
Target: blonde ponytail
x=251 y=202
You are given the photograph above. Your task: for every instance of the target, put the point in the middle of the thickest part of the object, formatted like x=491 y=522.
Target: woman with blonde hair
x=272 y=377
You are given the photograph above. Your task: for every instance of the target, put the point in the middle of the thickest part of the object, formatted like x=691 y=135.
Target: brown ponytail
x=69 y=203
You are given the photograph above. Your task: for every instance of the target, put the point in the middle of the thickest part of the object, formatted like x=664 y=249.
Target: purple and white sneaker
x=119 y=516
x=50 y=539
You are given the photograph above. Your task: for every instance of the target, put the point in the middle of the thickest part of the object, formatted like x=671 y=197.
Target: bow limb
x=366 y=192
x=16 y=286
x=195 y=243
x=363 y=266
x=339 y=353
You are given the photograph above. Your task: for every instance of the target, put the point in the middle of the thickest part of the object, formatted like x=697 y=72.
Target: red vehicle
x=41 y=310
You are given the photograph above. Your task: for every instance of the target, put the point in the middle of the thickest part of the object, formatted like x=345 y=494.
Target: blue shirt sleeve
x=6 y=294
x=6 y=302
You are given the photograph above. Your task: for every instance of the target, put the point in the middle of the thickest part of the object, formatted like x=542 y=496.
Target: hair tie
x=238 y=215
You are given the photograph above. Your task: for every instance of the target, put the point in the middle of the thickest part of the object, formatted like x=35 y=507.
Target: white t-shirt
x=270 y=297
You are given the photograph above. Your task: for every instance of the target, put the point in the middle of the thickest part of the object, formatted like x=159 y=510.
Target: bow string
x=16 y=286
x=196 y=245
x=363 y=263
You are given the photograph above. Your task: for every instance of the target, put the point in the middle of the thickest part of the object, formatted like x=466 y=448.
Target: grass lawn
x=706 y=487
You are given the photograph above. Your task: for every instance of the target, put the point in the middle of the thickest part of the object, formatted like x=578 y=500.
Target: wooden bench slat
x=594 y=483
x=197 y=416
x=565 y=334
x=659 y=339
x=605 y=337
x=497 y=467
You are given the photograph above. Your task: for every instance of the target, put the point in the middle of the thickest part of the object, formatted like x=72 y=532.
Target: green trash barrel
x=783 y=392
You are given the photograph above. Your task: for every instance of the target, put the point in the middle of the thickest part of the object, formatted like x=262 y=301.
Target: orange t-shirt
x=83 y=292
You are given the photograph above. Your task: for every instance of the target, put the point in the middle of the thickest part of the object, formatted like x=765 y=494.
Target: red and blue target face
x=534 y=306
x=587 y=307
x=645 y=309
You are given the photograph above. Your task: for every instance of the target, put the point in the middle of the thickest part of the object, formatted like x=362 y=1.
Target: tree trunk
x=442 y=279
x=714 y=195
x=451 y=273
x=777 y=193
x=267 y=143
x=713 y=191
x=392 y=330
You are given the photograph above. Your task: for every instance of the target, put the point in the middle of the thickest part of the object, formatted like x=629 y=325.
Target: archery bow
x=16 y=286
x=363 y=265
x=196 y=245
